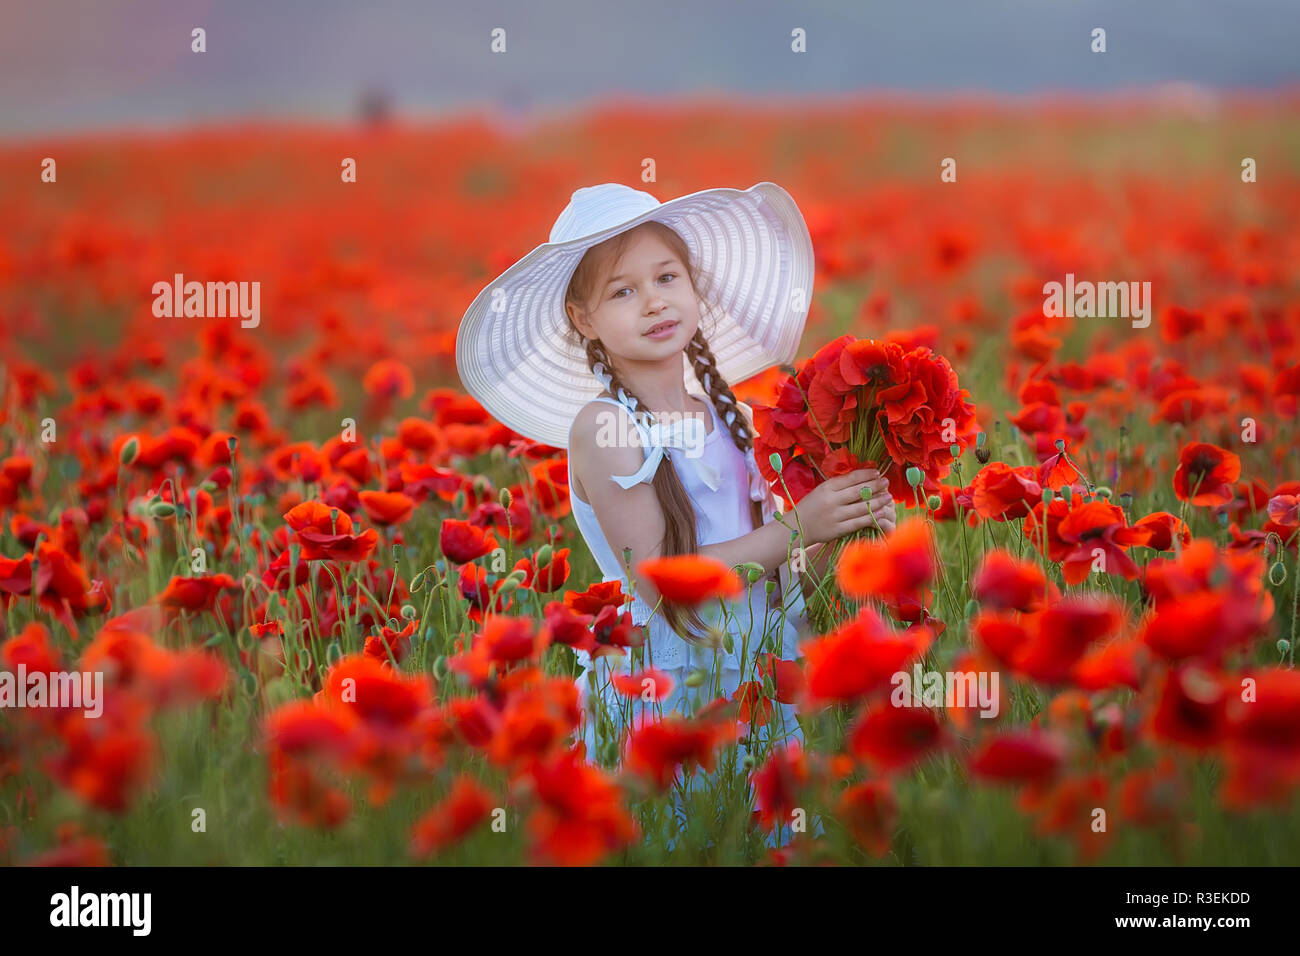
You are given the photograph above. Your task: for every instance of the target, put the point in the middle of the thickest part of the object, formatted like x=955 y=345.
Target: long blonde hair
x=679 y=513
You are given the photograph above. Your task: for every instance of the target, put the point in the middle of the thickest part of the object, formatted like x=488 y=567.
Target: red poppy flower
x=389 y=641
x=779 y=783
x=1205 y=474
x=900 y=563
x=1019 y=756
x=858 y=658
x=197 y=593
x=464 y=808
x=649 y=683
x=691 y=578
x=870 y=811
x=1063 y=632
x=597 y=596
x=893 y=738
x=1162 y=527
x=462 y=542
x=1191 y=708
x=1004 y=582
x=386 y=508
x=1000 y=492
x=656 y=749
x=579 y=818
x=755 y=706
x=378 y=694
x=326 y=533
x=787 y=676
x=1095 y=534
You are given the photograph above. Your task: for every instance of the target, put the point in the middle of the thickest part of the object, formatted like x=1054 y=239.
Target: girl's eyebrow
x=658 y=265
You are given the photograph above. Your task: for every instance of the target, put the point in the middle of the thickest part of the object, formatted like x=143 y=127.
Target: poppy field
x=335 y=605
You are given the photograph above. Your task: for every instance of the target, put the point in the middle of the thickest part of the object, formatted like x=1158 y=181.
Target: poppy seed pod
x=913 y=476
x=934 y=502
x=129 y=451
x=982 y=455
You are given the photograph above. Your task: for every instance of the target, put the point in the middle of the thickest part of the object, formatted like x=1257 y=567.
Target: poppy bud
x=508 y=585
x=458 y=502
x=775 y=459
x=417 y=583
x=504 y=497
x=748 y=762
x=627 y=555
x=1223 y=519
x=497 y=454
x=1277 y=573
x=972 y=607
x=913 y=476
x=440 y=666
x=769 y=586
x=333 y=652
x=543 y=556
x=409 y=612
x=1104 y=492
x=162 y=509
x=695 y=678
x=1068 y=494
x=1048 y=496
x=129 y=451
x=728 y=644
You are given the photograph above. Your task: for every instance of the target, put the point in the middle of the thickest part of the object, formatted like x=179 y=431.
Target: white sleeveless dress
x=718 y=484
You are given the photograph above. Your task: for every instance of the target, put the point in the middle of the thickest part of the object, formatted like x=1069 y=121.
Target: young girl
x=593 y=337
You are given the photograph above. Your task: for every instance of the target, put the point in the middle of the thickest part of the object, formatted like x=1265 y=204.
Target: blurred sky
x=72 y=65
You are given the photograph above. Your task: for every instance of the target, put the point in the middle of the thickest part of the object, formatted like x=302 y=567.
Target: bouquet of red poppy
x=860 y=403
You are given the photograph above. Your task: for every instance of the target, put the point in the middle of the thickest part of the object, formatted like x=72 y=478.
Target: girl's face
x=648 y=288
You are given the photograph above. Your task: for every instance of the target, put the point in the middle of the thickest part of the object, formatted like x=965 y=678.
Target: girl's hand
x=835 y=507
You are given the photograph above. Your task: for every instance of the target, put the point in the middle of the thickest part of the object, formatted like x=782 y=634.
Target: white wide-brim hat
x=755 y=258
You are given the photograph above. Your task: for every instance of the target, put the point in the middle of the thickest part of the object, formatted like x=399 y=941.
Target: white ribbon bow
x=661 y=438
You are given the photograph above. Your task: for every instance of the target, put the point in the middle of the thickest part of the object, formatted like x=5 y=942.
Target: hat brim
x=755 y=257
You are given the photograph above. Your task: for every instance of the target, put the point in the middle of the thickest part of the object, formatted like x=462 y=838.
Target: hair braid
x=675 y=502
x=705 y=366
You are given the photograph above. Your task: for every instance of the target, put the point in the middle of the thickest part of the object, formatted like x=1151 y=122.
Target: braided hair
x=678 y=510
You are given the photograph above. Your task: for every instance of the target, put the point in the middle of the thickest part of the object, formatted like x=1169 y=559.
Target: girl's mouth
x=662 y=330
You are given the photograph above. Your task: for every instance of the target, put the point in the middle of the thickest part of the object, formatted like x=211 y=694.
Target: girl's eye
x=625 y=288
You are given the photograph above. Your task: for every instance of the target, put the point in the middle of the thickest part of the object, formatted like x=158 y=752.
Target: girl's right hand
x=835 y=507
